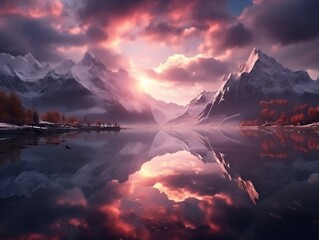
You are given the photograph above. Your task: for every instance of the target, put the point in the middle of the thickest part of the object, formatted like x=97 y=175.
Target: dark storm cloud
x=95 y=33
x=40 y=33
x=210 y=66
x=211 y=10
x=199 y=69
x=163 y=29
x=236 y=36
x=33 y=26
x=102 y=11
x=286 y=21
x=22 y=35
x=307 y=54
x=192 y=13
x=11 y=44
x=9 y=4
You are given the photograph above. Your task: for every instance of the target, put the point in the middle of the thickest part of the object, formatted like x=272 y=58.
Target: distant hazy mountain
x=260 y=78
x=83 y=88
x=194 y=108
x=163 y=111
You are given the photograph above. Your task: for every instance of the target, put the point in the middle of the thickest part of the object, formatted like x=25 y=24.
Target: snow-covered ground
x=8 y=126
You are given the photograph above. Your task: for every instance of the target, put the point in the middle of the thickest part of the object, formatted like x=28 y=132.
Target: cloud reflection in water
x=159 y=185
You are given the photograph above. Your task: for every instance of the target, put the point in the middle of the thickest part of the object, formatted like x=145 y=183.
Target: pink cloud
x=190 y=70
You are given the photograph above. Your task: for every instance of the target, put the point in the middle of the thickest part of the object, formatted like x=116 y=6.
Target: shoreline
x=54 y=130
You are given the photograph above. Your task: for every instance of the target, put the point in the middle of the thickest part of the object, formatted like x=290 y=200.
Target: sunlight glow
x=144 y=83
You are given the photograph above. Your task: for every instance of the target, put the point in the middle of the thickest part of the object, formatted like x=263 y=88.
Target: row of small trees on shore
x=56 y=117
x=12 y=111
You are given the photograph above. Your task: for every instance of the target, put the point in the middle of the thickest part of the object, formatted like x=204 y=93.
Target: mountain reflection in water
x=216 y=184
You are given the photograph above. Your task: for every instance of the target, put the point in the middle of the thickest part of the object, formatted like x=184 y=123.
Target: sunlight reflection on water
x=219 y=184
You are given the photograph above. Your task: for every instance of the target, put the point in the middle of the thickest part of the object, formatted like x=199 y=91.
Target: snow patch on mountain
x=26 y=68
x=64 y=67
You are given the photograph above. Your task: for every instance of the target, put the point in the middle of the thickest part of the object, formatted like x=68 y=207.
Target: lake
x=161 y=184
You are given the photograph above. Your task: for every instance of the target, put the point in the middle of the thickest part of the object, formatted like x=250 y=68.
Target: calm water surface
x=217 y=184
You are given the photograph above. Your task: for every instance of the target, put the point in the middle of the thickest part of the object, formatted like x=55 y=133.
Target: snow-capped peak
x=256 y=56
x=64 y=67
x=90 y=60
x=195 y=107
x=33 y=63
x=260 y=77
x=29 y=57
x=26 y=68
x=266 y=75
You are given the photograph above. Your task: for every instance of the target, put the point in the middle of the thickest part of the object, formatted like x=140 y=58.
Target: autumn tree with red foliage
x=4 y=107
x=297 y=118
x=52 y=116
x=268 y=114
x=301 y=108
x=31 y=117
x=271 y=111
x=278 y=112
x=71 y=120
x=16 y=110
x=282 y=120
x=272 y=103
x=313 y=113
x=12 y=111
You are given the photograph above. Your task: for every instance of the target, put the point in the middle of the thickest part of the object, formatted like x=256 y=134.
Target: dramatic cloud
x=44 y=28
x=286 y=21
x=103 y=11
x=215 y=35
x=307 y=54
x=182 y=70
x=211 y=10
x=33 y=8
x=163 y=30
x=36 y=26
x=236 y=36
x=96 y=34
x=22 y=35
x=159 y=20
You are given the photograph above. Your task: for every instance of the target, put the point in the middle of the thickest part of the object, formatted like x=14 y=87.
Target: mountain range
x=81 y=89
x=194 y=108
x=89 y=88
x=260 y=78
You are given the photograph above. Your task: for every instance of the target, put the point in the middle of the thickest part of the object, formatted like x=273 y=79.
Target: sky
x=175 y=48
